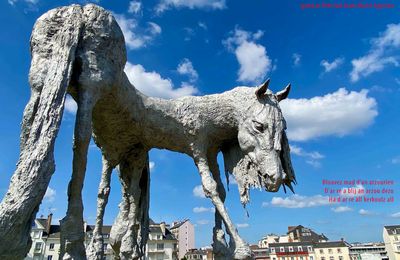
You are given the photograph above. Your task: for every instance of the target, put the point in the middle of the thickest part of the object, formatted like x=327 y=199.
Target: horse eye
x=258 y=126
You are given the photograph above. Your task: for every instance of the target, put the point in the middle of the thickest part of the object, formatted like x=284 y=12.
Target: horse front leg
x=95 y=250
x=241 y=248
x=130 y=231
x=220 y=247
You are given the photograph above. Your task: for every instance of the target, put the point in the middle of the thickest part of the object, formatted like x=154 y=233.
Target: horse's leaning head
x=261 y=157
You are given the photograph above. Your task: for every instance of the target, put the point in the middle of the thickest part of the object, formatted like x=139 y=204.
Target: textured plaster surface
x=81 y=50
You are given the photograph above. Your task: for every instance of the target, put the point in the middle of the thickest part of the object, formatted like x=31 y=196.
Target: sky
x=342 y=112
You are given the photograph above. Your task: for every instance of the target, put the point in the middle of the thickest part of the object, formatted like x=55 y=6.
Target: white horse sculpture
x=81 y=50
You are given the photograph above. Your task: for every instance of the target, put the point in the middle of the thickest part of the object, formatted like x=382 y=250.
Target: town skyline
x=342 y=112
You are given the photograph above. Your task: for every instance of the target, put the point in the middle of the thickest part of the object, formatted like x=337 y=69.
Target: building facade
x=184 y=232
x=391 y=237
x=161 y=244
x=292 y=251
x=334 y=250
x=368 y=251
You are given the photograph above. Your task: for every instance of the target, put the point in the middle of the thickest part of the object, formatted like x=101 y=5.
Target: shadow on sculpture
x=81 y=51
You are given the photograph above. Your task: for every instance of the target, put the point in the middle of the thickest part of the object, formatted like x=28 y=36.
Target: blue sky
x=342 y=112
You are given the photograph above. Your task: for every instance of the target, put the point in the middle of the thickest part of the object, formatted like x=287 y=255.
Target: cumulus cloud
x=203 y=209
x=203 y=222
x=395 y=160
x=135 y=7
x=313 y=158
x=351 y=191
x=242 y=225
x=33 y=2
x=70 y=105
x=341 y=209
x=185 y=67
x=152 y=84
x=164 y=5
x=135 y=37
x=50 y=195
x=364 y=212
x=298 y=201
x=152 y=165
x=395 y=215
x=329 y=66
x=380 y=55
x=252 y=57
x=198 y=192
x=339 y=113
x=296 y=59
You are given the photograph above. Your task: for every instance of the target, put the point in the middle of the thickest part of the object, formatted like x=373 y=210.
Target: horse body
x=245 y=123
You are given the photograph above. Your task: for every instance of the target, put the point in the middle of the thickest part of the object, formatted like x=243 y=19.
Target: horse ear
x=262 y=89
x=281 y=95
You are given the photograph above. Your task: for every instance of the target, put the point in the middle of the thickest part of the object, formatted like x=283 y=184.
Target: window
x=38 y=246
x=299 y=248
x=49 y=257
x=330 y=251
x=106 y=235
x=160 y=246
x=105 y=246
x=311 y=257
x=36 y=234
x=331 y=258
x=283 y=258
x=322 y=258
x=292 y=258
x=301 y=258
x=282 y=249
x=51 y=246
x=290 y=249
x=159 y=237
x=340 y=257
x=321 y=251
x=339 y=250
x=272 y=249
x=309 y=248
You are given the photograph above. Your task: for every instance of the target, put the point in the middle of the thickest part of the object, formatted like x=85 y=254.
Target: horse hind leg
x=130 y=231
x=95 y=250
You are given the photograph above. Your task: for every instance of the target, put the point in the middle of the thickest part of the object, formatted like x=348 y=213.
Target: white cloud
x=152 y=84
x=198 y=192
x=154 y=28
x=202 y=25
x=365 y=212
x=339 y=113
x=329 y=66
x=242 y=225
x=133 y=39
x=298 y=201
x=33 y=2
x=152 y=165
x=341 y=209
x=395 y=215
x=252 y=57
x=203 y=222
x=396 y=160
x=185 y=67
x=70 y=105
x=351 y=191
x=296 y=59
x=380 y=54
x=50 y=195
x=134 y=7
x=313 y=158
x=191 y=4
x=203 y=209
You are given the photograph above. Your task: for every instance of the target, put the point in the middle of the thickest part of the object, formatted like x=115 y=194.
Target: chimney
x=162 y=226
x=48 y=223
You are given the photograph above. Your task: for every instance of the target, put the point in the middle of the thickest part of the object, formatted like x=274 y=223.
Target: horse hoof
x=243 y=253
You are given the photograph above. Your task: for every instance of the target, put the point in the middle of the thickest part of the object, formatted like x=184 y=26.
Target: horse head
x=260 y=157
